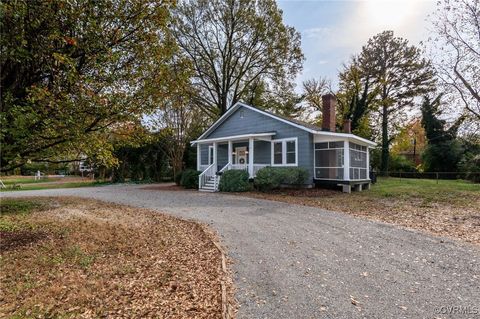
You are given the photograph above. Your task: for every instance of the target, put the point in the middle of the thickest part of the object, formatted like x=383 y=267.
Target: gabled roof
x=314 y=129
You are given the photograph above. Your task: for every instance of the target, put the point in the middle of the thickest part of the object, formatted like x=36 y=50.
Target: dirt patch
x=458 y=220
x=106 y=260
x=14 y=239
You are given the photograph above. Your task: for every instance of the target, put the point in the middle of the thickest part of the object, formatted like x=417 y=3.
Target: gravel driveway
x=302 y=262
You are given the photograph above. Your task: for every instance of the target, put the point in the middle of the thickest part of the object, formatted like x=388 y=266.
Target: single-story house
x=249 y=138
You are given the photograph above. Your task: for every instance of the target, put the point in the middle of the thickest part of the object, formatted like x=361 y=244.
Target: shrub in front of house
x=234 y=180
x=190 y=178
x=178 y=178
x=293 y=175
x=269 y=178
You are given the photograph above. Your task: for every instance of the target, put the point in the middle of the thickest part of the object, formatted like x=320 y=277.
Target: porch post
x=368 y=162
x=250 y=156
x=230 y=147
x=199 y=157
x=215 y=155
x=346 y=161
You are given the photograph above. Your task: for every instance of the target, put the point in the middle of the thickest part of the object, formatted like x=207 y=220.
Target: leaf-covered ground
x=447 y=208
x=77 y=258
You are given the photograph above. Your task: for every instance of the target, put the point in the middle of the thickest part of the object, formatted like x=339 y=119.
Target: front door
x=241 y=155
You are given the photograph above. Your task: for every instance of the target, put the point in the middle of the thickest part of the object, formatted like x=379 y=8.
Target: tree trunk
x=385 y=141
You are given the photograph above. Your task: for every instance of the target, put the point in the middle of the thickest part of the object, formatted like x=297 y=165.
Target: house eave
x=232 y=138
x=348 y=136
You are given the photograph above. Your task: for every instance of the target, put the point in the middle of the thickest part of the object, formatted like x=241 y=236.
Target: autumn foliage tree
x=71 y=71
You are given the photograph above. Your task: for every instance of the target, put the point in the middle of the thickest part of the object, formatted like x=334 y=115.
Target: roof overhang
x=233 y=138
x=348 y=136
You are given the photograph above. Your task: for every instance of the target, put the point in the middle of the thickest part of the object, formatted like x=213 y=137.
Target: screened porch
x=341 y=160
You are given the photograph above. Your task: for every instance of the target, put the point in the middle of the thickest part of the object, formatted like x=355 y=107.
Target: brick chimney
x=347 y=126
x=329 y=104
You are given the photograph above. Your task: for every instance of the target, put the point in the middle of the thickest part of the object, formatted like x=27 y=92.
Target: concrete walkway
x=293 y=261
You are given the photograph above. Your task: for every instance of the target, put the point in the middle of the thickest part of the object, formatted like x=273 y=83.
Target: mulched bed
x=106 y=260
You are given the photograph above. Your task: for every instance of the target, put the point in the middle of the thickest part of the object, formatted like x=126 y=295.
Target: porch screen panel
x=358 y=161
x=329 y=160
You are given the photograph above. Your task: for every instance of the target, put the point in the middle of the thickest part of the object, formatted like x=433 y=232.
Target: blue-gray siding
x=222 y=155
x=247 y=121
x=204 y=154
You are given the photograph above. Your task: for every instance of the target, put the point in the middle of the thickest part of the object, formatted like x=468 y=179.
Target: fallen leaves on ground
x=89 y=259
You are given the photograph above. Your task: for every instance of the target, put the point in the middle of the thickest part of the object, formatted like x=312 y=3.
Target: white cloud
x=317 y=33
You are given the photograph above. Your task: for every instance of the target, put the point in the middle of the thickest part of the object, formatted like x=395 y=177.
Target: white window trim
x=284 y=151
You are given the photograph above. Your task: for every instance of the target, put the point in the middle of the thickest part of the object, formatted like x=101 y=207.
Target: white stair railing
x=227 y=167
x=205 y=175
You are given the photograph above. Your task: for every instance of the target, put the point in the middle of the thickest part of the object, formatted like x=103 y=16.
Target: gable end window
x=285 y=152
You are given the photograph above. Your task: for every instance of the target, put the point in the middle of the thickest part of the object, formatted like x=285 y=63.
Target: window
x=291 y=152
x=329 y=160
x=277 y=153
x=284 y=152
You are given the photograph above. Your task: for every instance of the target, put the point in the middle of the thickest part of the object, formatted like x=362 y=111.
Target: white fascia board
x=348 y=136
x=231 y=138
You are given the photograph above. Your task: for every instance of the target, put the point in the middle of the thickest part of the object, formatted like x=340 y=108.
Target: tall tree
x=456 y=50
x=400 y=74
x=280 y=98
x=356 y=97
x=313 y=90
x=72 y=70
x=443 y=151
x=233 y=44
x=176 y=119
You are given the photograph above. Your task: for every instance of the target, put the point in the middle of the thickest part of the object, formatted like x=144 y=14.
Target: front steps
x=209 y=185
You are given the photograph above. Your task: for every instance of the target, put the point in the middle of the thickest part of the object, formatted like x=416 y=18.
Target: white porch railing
x=227 y=167
x=206 y=174
x=240 y=166
x=256 y=168
x=210 y=173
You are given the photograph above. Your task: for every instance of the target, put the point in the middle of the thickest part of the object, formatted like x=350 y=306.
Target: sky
x=332 y=31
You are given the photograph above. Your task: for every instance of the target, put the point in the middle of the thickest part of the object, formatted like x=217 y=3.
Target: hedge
x=189 y=178
x=234 y=180
x=269 y=178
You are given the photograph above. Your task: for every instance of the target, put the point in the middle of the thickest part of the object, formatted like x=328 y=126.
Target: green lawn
x=427 y=189
x=36 y=186
x=25 y=180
